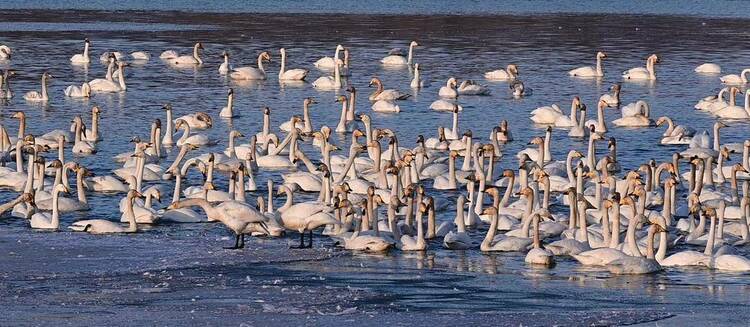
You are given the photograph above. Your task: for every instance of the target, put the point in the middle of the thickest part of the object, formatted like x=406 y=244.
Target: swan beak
x=172 y=206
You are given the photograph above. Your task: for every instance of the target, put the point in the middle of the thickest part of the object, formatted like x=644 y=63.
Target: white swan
x=102 y=226
x=613 y=99
x=82 y=58
x=445 y=105
x=381 y=93
x=679 y=134
x=416 y=81
x=44 y=220
x=225 y=66
x=228 y=111
x=35 y=96
x=306 y=216
x=449 y=90
x=330 y=83
x=708 y=68
x=509 y=73
x=553 y=115
x=193 y=59
x=140 y=55
x=640 y=73
x=733 y=111
x=297 y=74
x=469 y=87
x=5 y=52
x=329 y=63
x=639 y=117
x=252 y=73
x=458 y=240
x=589 y=71
x=74 y=91
x=538 y=255
x=385 y=106
x=398 y=59
x=187 y=138
x=734 y=79
x=106 y=85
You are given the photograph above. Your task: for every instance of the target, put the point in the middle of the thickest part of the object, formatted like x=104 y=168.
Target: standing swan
x=84 y=57
x=102 y=226
x=640 y=73
x=252 y=73
x=589 y=71
x=397 y=59
x=35 y=96
x=297 y=74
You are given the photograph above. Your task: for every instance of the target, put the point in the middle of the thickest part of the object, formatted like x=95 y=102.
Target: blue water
x=720 y=8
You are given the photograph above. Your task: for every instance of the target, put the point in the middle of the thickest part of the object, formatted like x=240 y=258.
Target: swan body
x=509 y=73
x=734 y=79
x=82 y=58
x=252 y=73
x=708 y=68
x=186 y=60
x=445 y=105
x=641 y=73
x=385 y=106
x=102 y=226
x=140 y=55
x=73 y=91
x=589 y=71
x=449 y=90
x=290 y=74
x=398 y=59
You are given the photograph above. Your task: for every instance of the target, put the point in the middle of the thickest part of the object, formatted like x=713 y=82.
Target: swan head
x=536 y=141
x=738 y=167
x=513 y=68
x=6 y=52
x=452 y=83
x=230 y=91
x=225 y=54
x=719 y=125
x=86 y=41
x=340 y=99
x=282 y=51
x=309 y=101
x=199 y=46
x=654 y=58
x=19 y=115
x=351 y=89
x=265 y=56
x=413 y=44
x=178 y=124
x=28 y=198
x=375 y=81
x=490 y=211
x=661 y=120
x=339 y=47
x=526 y=191
x=60 y=188
x=611 y=143
x=601 y=55
x=47 y=76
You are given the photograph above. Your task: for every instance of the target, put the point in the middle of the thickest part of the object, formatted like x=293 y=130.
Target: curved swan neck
x=196 y=55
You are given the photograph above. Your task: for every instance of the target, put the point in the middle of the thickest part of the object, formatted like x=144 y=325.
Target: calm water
x=544 y=47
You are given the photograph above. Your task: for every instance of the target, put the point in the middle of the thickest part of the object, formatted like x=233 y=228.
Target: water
x=545 y=47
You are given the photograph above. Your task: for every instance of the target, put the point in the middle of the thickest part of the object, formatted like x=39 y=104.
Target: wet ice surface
x=180 y=274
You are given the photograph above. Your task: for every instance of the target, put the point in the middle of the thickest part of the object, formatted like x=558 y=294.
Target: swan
x=637 y=265
x=502 y=243
x=449 y=90
x=509 y=73
x=328 y=63
x=140 y=55
x=589 y=71
x=193 y=59
x=398 y=59
x=81 y=146
x=84 y=57
x=385 y=106
x=329 y=82
x=736 y=79
x=297 y=74
x=638 y=118
x=102 y=226
x=5 y=52
x=5 y=91
x=458 y=240
x=640 y=73
x=416 y=243
x=225 y=66
x=469 y=87
x=105 y=85
x=694 y=258
x=679 y=134
x=416 y=81
x=538 y=255
x=382 y=94
x=105 y=56
x=708 y=68
x=734 y=111
x=187 y=138
x=252 y=73
x=553 y=115
x=43 y=220
x=305 y=126
x=445 y=105
x=518 y=89
x=306 y=216
x=228 y=112
x=613 y=99
x=35 y=96
x=706 y=102
x=73 y=91
x=198 y=120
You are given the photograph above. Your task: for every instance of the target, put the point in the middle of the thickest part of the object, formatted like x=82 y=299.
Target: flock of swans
x=628 y=221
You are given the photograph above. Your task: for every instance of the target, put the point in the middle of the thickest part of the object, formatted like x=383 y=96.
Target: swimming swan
x=297 y=74
x=84 y=57
x=102 y=226
x=589 y=71
x=35 y=96
x=252 y=73
x=397 y=59
x=640 y=73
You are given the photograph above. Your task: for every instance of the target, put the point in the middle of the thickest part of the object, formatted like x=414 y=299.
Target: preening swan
x=35 y=96
x=397 y=58
x=506 y=74
x=73 y=91
x=589 y=71
x=193 y=59
x=736 y=79
x=252 y=73
x=84 y=57
x=469 y=87
x=612 y=99
x=5 y=52
x=638 y=116
x=518 y=89
x=708 y=68
x=297 y=74
x=640 y=73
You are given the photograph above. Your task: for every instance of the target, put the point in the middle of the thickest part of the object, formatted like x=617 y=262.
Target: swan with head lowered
x=252 y=73
x=103 y=226
x=172 y=57
x=469 y=87
x=396 y=58
x=640 y=73
x=589 y=71
x=36 y=96
x=82 y=58
x=679 y=134
x=733 y=79
x=507 y=74
x=708 y=68
x=296 y=74
x=638 y=116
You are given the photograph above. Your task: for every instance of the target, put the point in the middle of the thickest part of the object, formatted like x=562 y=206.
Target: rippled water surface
x=544 y=47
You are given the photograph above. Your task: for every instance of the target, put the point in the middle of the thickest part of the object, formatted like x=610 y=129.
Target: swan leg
x=301 y=242
x=236 y=243
x=309 y=243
